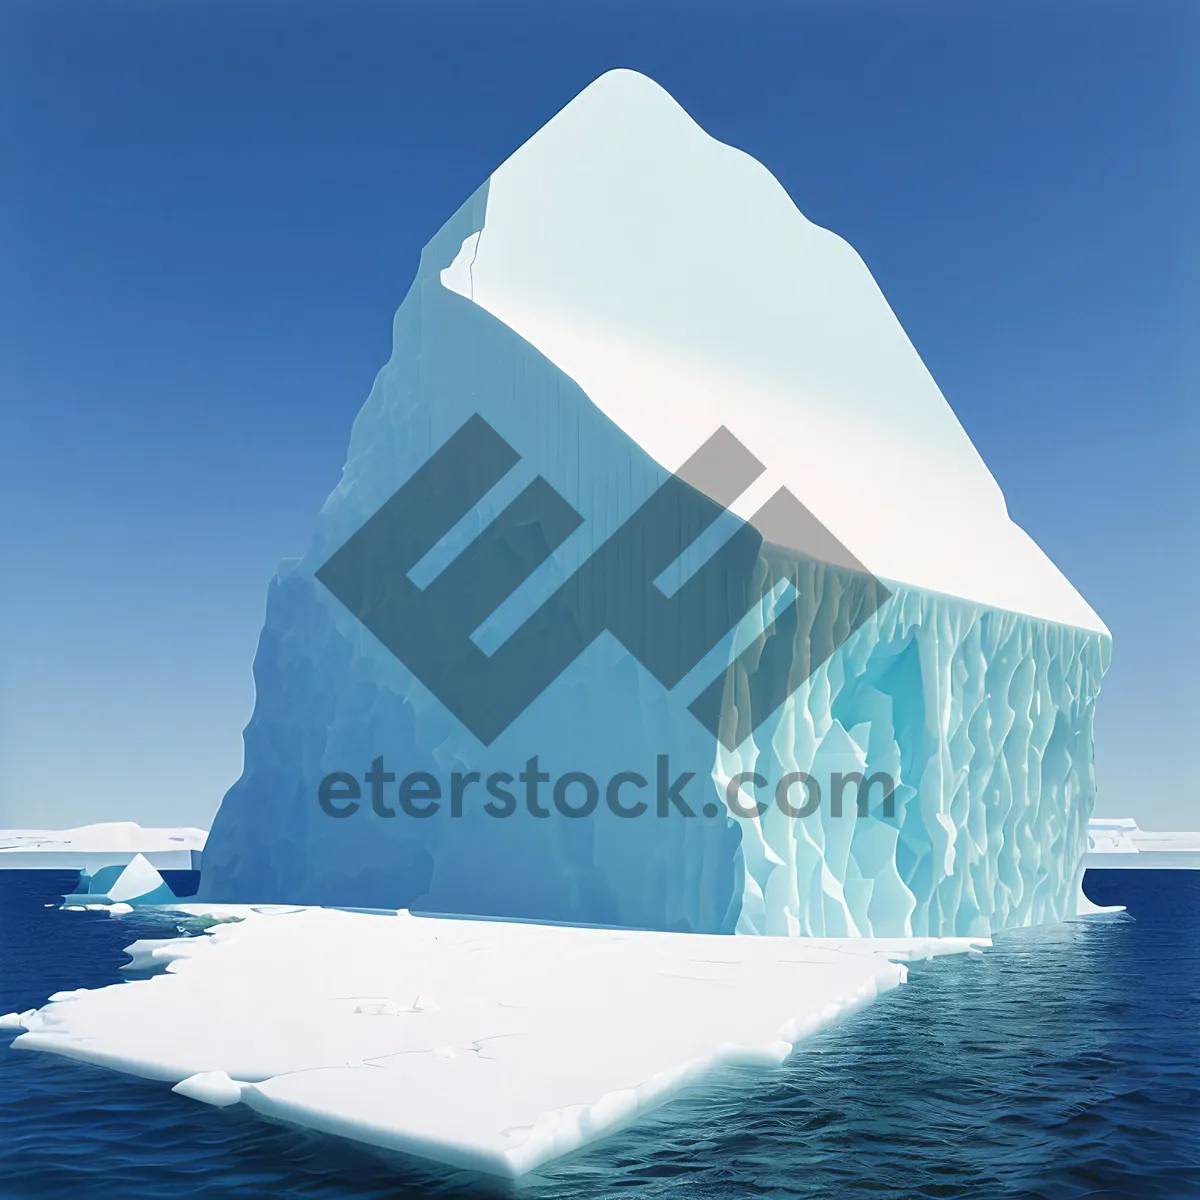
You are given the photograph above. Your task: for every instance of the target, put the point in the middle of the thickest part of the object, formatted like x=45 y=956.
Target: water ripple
x=1064 y=1064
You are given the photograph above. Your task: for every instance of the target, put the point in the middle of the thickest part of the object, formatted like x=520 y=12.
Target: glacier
x=622 y=287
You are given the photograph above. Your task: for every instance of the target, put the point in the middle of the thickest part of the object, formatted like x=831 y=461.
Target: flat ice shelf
x=1116 y=843
x=486 y=1045
x=91 y=847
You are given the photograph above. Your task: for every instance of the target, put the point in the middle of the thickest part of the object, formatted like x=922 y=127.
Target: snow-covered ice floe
x=485 y=1045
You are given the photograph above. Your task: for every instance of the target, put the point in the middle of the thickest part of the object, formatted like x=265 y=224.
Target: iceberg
x=624 y=294
x=134 y=885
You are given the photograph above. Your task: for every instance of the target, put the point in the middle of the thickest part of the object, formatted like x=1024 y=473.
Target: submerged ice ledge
x=490 y=1046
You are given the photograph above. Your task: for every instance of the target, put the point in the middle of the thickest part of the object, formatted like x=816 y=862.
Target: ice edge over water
x=489 y=1046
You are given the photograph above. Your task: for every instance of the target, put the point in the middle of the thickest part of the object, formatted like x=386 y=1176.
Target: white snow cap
x=673 y=278
x=138 y=879
x=109 y=837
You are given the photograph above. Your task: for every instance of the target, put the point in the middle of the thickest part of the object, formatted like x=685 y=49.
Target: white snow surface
x=89 y=846
x=1119 y=842
x=484 y=1045
x=138 y=879
x=673 y=278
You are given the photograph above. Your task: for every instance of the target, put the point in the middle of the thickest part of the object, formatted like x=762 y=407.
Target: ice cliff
x=621 y=288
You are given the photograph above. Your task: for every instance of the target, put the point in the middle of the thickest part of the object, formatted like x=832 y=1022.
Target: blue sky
x=210 y=212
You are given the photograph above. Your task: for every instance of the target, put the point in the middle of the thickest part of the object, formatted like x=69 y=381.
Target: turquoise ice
x=136 y=883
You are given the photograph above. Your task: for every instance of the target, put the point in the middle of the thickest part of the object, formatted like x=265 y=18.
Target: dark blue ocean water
x=1064 y=1063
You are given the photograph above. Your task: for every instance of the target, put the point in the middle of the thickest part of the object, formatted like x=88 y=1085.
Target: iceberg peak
x=673 y=278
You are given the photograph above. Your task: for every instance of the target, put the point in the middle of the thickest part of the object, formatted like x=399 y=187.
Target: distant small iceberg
x=132 y=885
